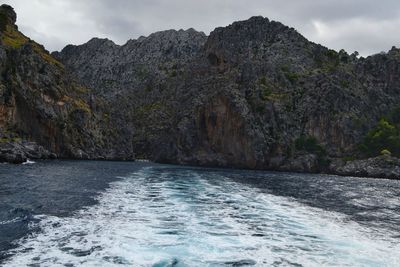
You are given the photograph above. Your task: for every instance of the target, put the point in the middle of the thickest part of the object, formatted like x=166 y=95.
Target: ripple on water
x=157 y=217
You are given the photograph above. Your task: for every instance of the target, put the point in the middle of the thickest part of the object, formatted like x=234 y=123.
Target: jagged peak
x=235 y=42
x=255 y=19
x=169 y=34
x=96 y=40
x=256 y=24
x=93 y=43
x=11 y=37
x=7 y=16
x=257 y=28
x=394 y=51
x=175 y=32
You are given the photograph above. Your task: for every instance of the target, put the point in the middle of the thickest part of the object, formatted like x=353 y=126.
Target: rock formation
x=40 y=101
x=255 y=94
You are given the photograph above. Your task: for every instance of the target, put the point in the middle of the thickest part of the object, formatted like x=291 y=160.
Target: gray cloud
x=367 y=26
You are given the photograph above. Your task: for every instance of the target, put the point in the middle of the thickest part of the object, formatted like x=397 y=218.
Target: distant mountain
x=255 y=94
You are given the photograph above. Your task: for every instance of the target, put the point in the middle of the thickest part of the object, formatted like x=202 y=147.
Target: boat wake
x=183 y=217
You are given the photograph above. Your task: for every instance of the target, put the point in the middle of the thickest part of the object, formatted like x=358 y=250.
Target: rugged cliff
x=252 y=94
x=255 y=94
x=41 y=102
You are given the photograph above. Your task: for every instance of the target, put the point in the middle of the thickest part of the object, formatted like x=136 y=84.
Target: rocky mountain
x=41 y=102
x=242 y=97
x=254 y=94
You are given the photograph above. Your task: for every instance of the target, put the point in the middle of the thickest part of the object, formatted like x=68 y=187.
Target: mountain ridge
x=255 y=94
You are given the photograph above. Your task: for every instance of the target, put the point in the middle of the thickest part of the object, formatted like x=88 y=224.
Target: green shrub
x=266 y=88
x=328 y=60
x=13 y=38
x=332 y=55
x=386 y=153
x=384 y=136
x=309 y=144
x=12 y=139
x=291 y=76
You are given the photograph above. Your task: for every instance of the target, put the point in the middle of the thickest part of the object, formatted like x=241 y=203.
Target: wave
x=28 y=161
x=163 y=217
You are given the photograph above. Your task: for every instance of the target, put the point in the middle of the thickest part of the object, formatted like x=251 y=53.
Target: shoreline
x=338 y=172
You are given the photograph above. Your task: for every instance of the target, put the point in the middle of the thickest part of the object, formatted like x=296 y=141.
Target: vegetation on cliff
x=383 y=138
x=254 y=94
x=11 y=38
x=40 y=101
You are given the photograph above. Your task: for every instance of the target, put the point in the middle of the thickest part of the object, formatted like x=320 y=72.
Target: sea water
x=143 y=214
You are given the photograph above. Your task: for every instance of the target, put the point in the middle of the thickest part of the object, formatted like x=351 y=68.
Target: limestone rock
x=380 y=167
x=20 y=151
x=242 y=97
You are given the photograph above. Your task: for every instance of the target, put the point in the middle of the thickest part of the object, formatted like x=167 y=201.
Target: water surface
x=71 y=213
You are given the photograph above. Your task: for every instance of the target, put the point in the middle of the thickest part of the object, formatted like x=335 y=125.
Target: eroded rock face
x=147 y=62
x=383 y=166
x=7 y=16
x=240 y=97
x=41 y=102
x=20 y=151
x=220 y=136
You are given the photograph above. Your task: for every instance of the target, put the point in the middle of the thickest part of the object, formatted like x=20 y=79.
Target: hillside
x=41 y=103
x=252 y=95
x=255 y=94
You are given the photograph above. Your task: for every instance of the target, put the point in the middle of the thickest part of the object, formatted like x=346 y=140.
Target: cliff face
x=255 y=94
x=140 y=83
x=41 y=102
x=241 y=97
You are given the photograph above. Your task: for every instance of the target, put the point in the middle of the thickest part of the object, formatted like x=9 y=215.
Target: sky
x=366 y=26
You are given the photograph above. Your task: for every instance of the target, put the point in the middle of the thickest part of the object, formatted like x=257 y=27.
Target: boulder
x=378 y=167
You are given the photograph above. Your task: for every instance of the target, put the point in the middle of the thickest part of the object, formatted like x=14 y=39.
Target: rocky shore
x=387 y=167
x=379 y=167
x=21 y=151
x=17 y=152
x=255 y=94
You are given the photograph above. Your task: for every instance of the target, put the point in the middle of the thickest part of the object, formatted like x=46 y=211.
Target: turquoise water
x=164 y=216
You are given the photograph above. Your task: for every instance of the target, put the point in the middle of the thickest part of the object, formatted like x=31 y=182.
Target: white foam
x=10 y=221
x=28 y=161
x=155 y=216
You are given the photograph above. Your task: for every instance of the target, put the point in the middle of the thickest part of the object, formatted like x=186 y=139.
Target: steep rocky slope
x=41 y=102
x=254 y=94
x=246 y=96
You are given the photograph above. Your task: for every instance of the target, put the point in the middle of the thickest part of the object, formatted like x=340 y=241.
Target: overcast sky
x=366 y=26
